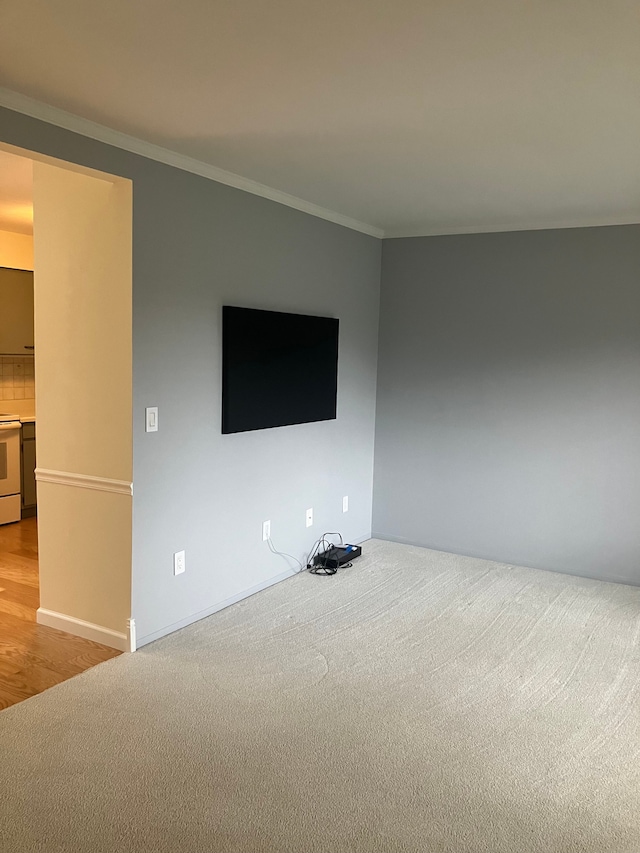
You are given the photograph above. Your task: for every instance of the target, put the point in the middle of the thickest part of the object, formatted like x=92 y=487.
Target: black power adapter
x=336 y=556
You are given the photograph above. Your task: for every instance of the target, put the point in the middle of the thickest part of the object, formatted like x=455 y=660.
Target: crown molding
x=69 y=121
x=598 y=222
x=76 y=124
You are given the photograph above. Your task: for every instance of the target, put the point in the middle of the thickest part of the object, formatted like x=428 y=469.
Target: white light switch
x=151 y=419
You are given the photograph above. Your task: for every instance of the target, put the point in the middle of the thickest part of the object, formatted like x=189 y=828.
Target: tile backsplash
x=17 y=380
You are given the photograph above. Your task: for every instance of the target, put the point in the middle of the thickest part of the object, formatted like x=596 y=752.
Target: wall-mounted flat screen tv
x=277 y=369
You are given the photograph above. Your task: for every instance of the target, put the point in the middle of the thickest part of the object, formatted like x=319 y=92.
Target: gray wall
x=508 y=412
x=196 y=246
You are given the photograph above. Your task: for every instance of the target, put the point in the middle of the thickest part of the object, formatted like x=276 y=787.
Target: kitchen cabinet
x=16 y=312
x=28 y=469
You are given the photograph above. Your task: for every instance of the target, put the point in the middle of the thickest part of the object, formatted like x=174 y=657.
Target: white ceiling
x=16 y=194
x=414 y=116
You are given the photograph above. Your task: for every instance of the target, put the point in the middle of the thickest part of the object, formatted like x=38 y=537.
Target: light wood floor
x=32 y=657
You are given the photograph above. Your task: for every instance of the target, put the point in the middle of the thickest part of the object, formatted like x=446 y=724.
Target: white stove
x=10 y=433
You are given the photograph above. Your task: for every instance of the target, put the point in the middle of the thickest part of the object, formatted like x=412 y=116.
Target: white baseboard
x=202 y=614
x=87 y=630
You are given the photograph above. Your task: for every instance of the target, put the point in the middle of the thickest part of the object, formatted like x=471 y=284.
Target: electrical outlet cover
x=179 y=562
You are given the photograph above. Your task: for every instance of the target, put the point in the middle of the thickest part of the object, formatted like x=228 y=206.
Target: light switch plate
x=151 y=419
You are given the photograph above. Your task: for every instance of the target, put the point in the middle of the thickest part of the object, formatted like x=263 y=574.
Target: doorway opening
x=65 y=400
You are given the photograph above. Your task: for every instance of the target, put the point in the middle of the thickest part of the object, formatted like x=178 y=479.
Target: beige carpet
x=415 y=702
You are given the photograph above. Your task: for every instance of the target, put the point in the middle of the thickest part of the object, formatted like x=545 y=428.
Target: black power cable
x=320 y=567
x=321 y=546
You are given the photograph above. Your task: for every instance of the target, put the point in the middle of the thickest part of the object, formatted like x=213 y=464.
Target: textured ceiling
x=420 y=117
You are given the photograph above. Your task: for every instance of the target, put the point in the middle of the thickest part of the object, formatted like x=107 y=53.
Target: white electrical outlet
x=345 y=503
x=266 y=531
x=179 y=562
x=309 y=518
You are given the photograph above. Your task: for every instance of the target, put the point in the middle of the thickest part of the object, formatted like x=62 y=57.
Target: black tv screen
x=277 y=369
